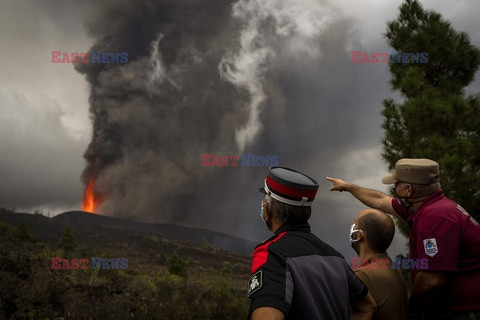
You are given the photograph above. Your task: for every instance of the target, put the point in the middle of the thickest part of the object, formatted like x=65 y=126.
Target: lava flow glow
x=90 y=200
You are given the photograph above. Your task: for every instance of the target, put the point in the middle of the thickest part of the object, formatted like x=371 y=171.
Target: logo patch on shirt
x=255 y=283
x=430 y=246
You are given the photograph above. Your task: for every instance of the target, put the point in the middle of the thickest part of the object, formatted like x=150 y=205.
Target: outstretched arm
x=370 y=198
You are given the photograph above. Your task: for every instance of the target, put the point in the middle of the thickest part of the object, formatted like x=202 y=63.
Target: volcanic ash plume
x=246 y=67
x=199 y=75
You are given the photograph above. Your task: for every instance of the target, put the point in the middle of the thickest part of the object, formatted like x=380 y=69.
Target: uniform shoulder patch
x=430 y=246
x=472 y=219
x=255 y=283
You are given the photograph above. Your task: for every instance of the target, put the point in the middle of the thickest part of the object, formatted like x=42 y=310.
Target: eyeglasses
x=352 y=231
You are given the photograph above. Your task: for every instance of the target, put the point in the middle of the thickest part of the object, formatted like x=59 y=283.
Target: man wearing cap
x=441 y=231
x=295 y=275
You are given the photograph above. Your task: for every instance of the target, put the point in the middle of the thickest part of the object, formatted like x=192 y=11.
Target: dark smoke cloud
x=156 y=115
x=217 y=77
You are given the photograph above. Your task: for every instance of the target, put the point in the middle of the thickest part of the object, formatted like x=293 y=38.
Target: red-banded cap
x=290 y=186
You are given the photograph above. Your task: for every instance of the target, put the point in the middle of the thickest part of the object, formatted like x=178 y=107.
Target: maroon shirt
x=444 y=233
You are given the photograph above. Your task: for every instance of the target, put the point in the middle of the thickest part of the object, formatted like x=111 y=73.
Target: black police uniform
x=305 y=278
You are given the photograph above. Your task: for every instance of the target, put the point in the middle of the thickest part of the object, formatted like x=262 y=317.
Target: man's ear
x=360 y=235
x=409 y=189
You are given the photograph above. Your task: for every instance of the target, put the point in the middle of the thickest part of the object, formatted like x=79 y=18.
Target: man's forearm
x=371 y=198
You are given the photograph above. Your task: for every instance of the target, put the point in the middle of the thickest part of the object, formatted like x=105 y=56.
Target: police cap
x=290 y=186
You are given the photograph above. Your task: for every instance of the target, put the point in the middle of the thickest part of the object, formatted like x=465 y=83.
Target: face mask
x=355 y=246
x=352 y=231
x=353 y=242
x=261 y=212
x=266 y=221
x=404 y=201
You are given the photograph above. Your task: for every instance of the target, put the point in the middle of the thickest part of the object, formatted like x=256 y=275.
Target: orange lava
x=90 y=201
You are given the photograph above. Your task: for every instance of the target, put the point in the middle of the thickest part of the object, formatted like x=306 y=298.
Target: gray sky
x=45 y=126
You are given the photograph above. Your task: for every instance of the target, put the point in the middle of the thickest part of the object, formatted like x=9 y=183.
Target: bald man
x=370 y=236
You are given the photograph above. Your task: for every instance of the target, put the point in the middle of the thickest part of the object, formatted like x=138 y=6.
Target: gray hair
x=422 y=190
x=287 y=213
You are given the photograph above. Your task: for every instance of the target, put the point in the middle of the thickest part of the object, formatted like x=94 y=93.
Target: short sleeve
x=356 y=288
x=364 y=278
x=267 y=285
x=362 y=275
x=438 y=241
x=399 y=209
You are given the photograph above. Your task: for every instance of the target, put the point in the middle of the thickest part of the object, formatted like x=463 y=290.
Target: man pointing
x=441 y=231
x=295 y=275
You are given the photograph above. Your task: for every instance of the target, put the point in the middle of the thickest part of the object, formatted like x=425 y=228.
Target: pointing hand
x=338 y=184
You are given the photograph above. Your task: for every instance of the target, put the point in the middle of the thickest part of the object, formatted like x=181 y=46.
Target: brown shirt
x=387 y=287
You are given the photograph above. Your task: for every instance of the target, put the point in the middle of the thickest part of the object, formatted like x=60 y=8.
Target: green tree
x=436 y=119
x=68 y=241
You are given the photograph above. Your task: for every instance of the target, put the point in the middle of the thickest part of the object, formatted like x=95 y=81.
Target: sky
x=204 y=77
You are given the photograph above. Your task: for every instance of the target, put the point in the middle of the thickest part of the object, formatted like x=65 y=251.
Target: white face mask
x=352 y=231
x=261 y=212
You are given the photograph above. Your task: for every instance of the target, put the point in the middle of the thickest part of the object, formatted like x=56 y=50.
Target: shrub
x=176 y=265
x=23 y=232
x=68 y=241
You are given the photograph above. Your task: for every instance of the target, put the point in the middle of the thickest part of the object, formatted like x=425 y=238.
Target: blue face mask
x=261 y=212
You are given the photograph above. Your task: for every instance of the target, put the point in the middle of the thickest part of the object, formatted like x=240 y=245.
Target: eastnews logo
x=94 y=263
x=244 y=160
x=83 y=57
x=398 y=263
x=396 y=57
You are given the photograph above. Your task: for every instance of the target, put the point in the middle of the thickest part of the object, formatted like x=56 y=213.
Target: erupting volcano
x=90 y=201
x=183 y=94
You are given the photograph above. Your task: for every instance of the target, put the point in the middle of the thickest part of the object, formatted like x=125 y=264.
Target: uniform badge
x=255 y=283
x=430 y=246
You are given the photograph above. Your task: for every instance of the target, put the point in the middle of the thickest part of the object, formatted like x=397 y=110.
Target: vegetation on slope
x=164 y=280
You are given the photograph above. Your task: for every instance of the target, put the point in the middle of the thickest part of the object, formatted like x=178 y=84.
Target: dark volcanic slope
x=94 y=228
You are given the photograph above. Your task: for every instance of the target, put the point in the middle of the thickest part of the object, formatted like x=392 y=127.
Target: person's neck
x=366 y=253
x=417 y=205
x=276 y=225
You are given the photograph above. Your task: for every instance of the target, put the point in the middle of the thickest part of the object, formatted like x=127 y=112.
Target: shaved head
x=378 y=227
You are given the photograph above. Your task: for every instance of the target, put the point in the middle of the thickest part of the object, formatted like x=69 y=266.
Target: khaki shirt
x=387 y=287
